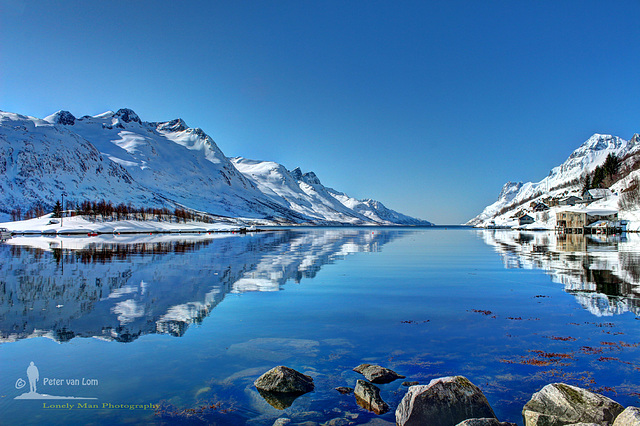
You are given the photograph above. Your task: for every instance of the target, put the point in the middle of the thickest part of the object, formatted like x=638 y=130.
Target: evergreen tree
x=611 y=165
x=57 y=209
x=598 y=177
x=587 y=184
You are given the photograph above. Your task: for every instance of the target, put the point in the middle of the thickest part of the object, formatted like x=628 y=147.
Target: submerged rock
x=562 y=404
x=629 y=417
x=284 y=380
x=280 y=400
x=275 y=350
x=377 y=374
x=338 y=421
x=446 y=401
x=486 y=421
x=344 y=390
x=368 y=397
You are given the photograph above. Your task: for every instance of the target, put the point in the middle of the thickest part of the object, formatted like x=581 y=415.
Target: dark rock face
x=128 y=115
x=629 y=417
x=66 y=118
x=377 y=374
x=344 y=390
x=446 y=401
x=410 y=383
x=296 y=173
x=177 y=125
x=562 y=404
x=484 y=422
x=284 y=380
x=368 y=397
x=199 y=132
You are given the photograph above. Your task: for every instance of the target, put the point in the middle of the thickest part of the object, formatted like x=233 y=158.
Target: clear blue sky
x=429 y=107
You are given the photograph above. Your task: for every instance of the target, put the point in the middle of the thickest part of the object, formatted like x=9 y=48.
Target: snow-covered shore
x=546 y=220
x=80 y=225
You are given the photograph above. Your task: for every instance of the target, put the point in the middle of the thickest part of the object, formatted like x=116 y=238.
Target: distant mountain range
x=565 y=179
x=120 y=158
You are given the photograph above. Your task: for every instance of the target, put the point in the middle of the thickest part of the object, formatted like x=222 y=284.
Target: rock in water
x=279 y=400
x=629 y=417
x=344 y=390
x=285 y=380
x=446 y=401
x=562 y=404
x=368 y=397
x=484 y=422
x=377 y=374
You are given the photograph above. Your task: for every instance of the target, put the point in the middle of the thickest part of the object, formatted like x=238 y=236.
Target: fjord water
x=189 y=322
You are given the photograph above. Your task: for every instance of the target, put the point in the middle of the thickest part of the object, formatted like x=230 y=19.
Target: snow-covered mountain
x=118 y=157
x=305 y=194
x=38 y=161
x=562 y=180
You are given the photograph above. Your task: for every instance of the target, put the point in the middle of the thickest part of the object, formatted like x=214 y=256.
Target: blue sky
x=429 y=107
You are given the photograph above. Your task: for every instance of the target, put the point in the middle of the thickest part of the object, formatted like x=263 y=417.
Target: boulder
x=446 y=401
x=562 y=404
x=368 y=397
x=377 y=374
x=629 y=417
x=338 y=421
x=344 y=390
x=485 y=421
x=584 y=424
x=284 y=380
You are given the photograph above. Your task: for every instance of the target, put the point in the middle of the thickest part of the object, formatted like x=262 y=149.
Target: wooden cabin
x=581 y=221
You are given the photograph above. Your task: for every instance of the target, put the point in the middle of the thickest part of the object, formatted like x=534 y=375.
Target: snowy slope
x=304 y=193
x=592 y=153
x=181 y=163
x=38 y=161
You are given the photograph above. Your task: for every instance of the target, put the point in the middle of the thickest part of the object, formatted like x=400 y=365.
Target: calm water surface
x=190 y=322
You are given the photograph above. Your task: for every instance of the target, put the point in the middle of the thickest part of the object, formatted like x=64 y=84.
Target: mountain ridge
x=165 y=164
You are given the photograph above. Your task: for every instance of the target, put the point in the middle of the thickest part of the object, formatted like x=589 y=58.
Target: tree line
x=107 y=210
x=603 y=176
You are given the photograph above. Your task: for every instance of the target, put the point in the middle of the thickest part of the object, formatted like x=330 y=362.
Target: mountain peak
x=296 y=173
x=308 y=177
x=311 y=178
x=177 y=125
x=509 y=190
x=61 y=117
x=127 y=115
x=599 y=141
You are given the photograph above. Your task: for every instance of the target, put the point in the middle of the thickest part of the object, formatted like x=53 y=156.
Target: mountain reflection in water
x=603 y=273
x=119 y=290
